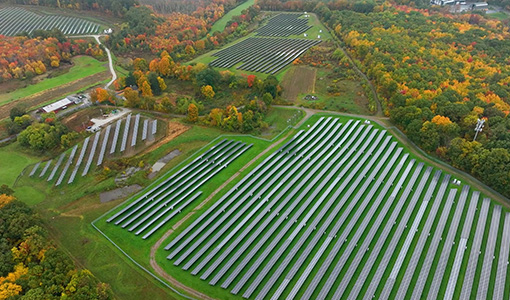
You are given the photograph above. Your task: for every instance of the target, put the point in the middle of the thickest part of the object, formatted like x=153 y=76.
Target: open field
x=298 y=80
x=84 y=66
x=336 y=231
x=221 y=23
x=343 y=95
x=16 y=20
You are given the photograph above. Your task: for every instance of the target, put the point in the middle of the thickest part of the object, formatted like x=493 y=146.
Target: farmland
x=15 y=20
x=83 y=66
x=305 y=223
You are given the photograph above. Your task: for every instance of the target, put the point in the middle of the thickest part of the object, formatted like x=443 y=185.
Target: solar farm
x=94 y=149
x=271 y=50
x=340 y=211
x=15 y=20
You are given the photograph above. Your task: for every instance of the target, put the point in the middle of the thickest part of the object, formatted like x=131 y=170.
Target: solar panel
x=103 y=146
x=144 y=131
x=126 y=133
x=46 y=167
x=135 y=130
x=57 y=165
x=91 y=154
x=34 y=169
x=66 y=167
x=115 y=136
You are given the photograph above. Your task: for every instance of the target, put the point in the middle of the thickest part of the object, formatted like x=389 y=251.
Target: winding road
x=110 y=60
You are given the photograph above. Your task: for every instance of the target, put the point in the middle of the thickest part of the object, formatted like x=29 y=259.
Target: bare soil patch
x=119 y=193
x=174 y=130
x=298 y=80
x=80 y=120
x=54 y=93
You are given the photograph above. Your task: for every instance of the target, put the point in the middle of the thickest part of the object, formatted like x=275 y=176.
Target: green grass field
x=350 y=224
x=221 y=23
x=499 y=15
x=83 y=66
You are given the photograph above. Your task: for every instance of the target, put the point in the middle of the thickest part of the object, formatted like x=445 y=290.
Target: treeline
x=24 y=57
x=31 y=267
x=115 y=7
x=187 y=6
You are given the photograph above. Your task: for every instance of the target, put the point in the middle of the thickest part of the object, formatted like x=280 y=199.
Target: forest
x=31 y=267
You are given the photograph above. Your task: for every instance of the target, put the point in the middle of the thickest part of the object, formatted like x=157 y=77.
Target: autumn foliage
x=22 y=57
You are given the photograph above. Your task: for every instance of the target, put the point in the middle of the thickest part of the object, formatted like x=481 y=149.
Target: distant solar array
x=15 y=20
x=264 y=55
x=154 y=209
x=339 y=212
x=285 y=25
x=93 y=150
x=270 y=51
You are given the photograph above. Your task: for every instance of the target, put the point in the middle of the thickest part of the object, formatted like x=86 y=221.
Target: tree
x=154 y=83
x=164 y=65
x=267 y=98
x=192 y=113
x=271 y=86
x=208 y=76
x=132 y=97
x=6 y=190
x=250 y=80
x=146 y=89
x=207 y=91
x=18 y=111
x=101 y=95
x=162 y=84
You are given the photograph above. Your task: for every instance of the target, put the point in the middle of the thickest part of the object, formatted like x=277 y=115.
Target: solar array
x=93 y=150
x=284 y=25
x=14 y=20
x=340 y=212
x=264 y=55
x=151 y=211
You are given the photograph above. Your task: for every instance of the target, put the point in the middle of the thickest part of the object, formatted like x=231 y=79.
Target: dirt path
x=156 y=246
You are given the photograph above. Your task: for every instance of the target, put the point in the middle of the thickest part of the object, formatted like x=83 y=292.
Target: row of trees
x=31 y=267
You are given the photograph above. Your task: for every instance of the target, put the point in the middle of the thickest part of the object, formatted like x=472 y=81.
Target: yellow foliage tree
x=192 y=113
x=441 y=120
x=146 y=89
x=4 y=200
x=162 y=84
x=208 y=91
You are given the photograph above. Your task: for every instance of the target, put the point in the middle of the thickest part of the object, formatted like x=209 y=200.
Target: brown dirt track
x=298 y=80
x=54 y=93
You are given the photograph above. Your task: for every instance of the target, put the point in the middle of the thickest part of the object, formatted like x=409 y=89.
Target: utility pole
x=479 y=127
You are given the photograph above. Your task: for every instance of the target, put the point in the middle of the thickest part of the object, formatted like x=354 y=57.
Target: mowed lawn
x=221 y=23
x=83 y=66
